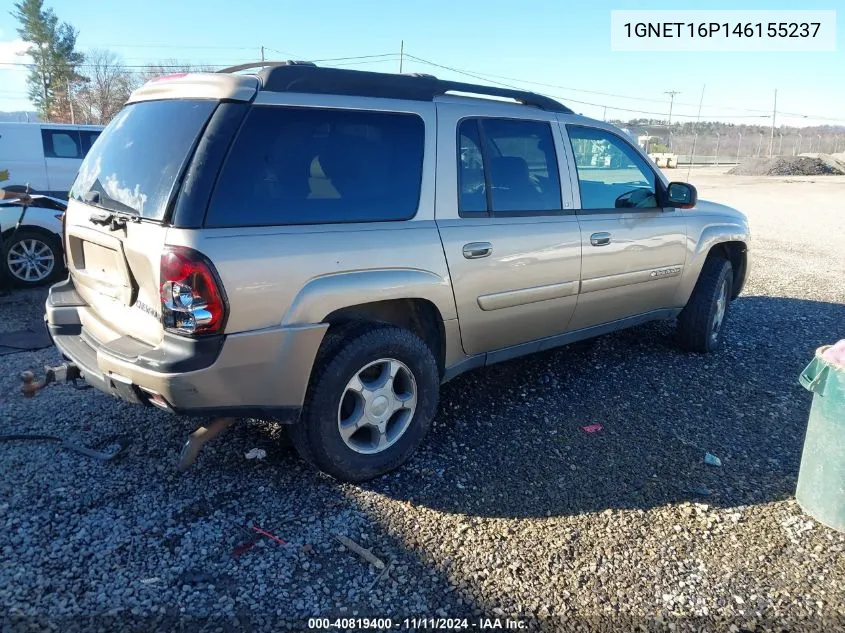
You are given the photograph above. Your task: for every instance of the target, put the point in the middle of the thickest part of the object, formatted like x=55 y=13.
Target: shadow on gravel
x=509 y=440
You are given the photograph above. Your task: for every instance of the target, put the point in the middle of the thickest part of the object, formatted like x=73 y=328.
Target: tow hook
x=198 y=439
x=61 y=373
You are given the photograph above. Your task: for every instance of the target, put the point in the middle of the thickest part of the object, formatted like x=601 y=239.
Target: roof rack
x=293 y=76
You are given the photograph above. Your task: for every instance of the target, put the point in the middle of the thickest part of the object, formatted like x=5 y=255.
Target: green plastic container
x=821 y=479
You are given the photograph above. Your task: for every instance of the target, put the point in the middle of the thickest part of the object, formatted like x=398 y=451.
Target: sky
x=563 y=43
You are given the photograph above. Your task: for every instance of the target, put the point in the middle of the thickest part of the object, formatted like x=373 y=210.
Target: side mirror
x=681 y=195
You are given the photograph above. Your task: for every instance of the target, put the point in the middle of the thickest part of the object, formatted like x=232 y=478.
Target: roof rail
x=293 y=76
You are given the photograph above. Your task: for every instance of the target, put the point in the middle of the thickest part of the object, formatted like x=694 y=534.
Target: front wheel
x=371 y=402
x=701 y=324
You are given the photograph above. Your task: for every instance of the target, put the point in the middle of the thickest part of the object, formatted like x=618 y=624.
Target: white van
x=45 y=156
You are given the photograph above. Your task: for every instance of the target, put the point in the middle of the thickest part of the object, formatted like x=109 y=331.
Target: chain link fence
x=735 y=148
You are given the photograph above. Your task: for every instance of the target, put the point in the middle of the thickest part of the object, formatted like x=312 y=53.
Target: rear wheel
x=702 y=322
x=371 y=401
x=32 y=257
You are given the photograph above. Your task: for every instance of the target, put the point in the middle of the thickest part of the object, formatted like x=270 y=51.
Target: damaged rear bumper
x=236 y=375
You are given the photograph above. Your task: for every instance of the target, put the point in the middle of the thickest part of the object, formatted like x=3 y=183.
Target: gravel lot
x=510 y=509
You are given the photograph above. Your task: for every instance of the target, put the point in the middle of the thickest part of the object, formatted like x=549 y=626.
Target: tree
x=168 y=67
x=104 y=89
x=54 y=55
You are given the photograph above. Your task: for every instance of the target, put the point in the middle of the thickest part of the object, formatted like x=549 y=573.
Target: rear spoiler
x=198 y=86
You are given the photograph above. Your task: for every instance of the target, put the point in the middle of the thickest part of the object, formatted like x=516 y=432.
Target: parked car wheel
x=371 y=401
x=701 y=324
x=32 y=257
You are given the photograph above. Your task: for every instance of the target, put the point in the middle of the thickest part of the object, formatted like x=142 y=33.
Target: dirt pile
x=815 y=165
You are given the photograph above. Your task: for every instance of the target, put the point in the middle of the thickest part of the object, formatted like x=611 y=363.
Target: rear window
x=315 y=166
x=134 y=164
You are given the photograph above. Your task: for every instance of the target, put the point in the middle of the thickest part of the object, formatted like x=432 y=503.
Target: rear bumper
x=259 y=374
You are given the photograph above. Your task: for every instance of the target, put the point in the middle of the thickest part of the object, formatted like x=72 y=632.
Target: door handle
x=477 y=250
x=600 y=239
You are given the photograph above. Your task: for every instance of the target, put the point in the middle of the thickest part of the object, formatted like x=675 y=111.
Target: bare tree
x=168 y=67
x=104 y=89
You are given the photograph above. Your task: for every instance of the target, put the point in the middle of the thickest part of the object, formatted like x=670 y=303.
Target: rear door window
x=507 y=167
x=137 y=160
x=316 y=166
x=61 y=143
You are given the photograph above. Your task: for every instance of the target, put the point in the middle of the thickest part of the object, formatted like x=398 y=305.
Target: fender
x=716 y=231
x=323 y=295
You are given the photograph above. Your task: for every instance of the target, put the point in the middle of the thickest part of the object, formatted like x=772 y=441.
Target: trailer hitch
x=60 y=373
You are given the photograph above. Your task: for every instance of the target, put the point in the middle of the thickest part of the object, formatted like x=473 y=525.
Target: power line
x=568 y=99
x=596 y=92
x=482 y=76
x=486 y=76
x=178 y=46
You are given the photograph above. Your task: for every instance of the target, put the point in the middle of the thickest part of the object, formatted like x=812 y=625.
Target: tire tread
x=693 y=331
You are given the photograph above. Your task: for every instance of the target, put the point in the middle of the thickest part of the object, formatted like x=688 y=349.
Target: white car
x=43 y=156
x=32 y=254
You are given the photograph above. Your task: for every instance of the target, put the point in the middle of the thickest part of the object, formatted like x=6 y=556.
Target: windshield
x=134 y=164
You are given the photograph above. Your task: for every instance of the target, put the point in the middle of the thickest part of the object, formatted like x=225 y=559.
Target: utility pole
x=738 y=147
x=774 y=116
x=695 y=137
x=262 y=54
x=671 y=94
x=718 y=138
x=70 y=103
x=604 y=116
x=401 y=54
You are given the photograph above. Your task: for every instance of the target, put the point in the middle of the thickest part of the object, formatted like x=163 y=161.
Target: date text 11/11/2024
x=419 y=623
x=726 y=29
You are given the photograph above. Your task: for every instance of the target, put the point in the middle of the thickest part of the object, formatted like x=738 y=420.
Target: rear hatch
x=116 y=222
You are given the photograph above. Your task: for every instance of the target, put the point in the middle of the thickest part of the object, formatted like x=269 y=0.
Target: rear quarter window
x=319 y=166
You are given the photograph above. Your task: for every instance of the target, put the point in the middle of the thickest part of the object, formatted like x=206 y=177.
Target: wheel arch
x=736 y=252
x=419 y=316
x=7 y=234
x=418 y=300
x=728 y=241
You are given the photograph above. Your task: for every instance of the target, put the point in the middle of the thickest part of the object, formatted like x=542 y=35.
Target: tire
x=44 y=266
x=369 y=352
x=701 y=324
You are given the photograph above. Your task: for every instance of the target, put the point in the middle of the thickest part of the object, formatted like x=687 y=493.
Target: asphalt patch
x=23 y=341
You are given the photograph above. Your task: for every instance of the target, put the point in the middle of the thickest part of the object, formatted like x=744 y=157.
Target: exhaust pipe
x=200 y=438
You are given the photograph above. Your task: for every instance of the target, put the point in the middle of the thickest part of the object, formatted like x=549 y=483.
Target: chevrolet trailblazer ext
x=325 y=247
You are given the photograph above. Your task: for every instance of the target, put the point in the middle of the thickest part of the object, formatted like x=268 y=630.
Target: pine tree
x=54 y=55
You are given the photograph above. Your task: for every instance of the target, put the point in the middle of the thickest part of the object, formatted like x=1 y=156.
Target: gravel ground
x=819 y=165
x=510 y=509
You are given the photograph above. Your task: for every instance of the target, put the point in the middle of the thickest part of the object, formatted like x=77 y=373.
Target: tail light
x=192 y=298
